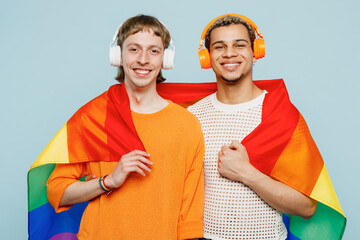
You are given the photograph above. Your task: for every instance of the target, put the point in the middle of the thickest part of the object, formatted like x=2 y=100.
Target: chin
x=143 y=83
x=232 y=80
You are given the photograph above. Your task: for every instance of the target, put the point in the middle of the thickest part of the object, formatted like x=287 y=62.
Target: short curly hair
x=227 y=21
x=137 y=24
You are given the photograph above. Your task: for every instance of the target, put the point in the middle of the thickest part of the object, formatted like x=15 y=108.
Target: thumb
x=235 y=145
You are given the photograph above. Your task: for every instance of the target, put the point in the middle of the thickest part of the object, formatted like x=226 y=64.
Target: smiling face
x=142 y=57
x=231 y=54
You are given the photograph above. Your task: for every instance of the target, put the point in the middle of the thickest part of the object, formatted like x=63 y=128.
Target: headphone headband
x=258 y=44
x=248 y=20
x=116 y=35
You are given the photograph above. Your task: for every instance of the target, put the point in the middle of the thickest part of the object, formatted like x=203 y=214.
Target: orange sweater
x=165 y=204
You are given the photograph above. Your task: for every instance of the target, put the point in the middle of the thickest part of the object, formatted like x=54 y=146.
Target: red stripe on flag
x=121 y=133
x=279 y=119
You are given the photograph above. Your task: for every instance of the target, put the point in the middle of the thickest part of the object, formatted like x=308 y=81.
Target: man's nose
x=230 y=52
x=143 y=57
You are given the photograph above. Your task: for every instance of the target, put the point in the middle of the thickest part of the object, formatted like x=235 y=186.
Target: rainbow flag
x=281 y=147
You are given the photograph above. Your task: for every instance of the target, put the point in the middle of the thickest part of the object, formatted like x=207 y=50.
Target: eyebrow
x=139 y=46
x=236 y=40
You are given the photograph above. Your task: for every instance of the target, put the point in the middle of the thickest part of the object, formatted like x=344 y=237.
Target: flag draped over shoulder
x=102 y=130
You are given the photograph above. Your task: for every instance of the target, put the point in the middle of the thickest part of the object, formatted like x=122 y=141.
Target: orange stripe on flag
x=87 y=139
x=300 y=164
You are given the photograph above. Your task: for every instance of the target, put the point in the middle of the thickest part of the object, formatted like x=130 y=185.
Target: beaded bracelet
x=103 y=186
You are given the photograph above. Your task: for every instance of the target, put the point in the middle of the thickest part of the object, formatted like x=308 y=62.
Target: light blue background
x=54 y=58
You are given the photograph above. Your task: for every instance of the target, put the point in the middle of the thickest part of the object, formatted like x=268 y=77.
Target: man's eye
x=133 y=49
x=219 y=47
x=155 y=51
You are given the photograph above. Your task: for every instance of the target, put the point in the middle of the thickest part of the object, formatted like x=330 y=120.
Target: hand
x=234 y=162
x=90 y=177
x=134 y=161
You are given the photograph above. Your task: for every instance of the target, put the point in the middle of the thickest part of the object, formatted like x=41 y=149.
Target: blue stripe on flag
x=44 y=222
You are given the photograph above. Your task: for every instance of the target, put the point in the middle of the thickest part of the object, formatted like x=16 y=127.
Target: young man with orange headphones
x=241 y=202
x=149 y=179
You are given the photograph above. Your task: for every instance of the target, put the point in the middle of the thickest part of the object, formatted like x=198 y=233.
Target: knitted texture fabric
x=232 y=210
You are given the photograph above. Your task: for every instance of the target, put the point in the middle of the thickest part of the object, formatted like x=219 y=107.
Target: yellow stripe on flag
x=325 y=193
x=56 y=151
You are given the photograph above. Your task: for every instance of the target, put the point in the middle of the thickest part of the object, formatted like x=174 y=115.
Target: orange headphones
x=259 y=43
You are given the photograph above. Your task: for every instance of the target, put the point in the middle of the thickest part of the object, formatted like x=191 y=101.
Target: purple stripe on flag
x=64 y=236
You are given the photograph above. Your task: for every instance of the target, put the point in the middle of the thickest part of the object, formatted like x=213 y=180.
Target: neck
x=145 y=100
x=241 y=91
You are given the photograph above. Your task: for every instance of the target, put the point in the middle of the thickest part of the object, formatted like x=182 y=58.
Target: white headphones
x=115 y=53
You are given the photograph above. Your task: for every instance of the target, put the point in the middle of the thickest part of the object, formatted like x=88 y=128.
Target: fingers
x=229 y=150
x=90 y=177
x=222 y=151
x=135 y=166
x=140 y=158
x=224 y=148
x=137 y=152
x=135 y=161
x=136 y=169
x=235 y=145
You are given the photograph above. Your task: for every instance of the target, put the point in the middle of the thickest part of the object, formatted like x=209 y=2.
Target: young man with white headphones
x=241 y=202
x=154 y=191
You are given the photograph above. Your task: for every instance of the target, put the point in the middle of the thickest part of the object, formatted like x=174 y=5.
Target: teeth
x=142 y=71
x=231 y=64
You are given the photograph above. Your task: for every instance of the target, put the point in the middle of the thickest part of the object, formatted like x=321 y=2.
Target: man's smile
x=142 y=72
x=230 y=66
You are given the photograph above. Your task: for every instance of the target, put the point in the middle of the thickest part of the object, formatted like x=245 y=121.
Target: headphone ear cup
x=259 y=48
x=169 y=59
x=115 y=56
x=204 y=56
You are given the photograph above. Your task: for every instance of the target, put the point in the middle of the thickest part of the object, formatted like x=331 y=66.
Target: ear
x=254 y=59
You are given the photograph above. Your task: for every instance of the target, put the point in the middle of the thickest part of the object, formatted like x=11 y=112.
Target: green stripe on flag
x=326 y=223
x=37 y=178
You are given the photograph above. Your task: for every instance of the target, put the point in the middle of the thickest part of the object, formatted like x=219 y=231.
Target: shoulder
x=201 y=105
x=187 y=127
x=94 y=107
x=184 y=120
x=183 y=113
x=97 y=103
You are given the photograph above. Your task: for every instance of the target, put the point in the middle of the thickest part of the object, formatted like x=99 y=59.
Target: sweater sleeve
x=192 y=209
x=62 y=177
